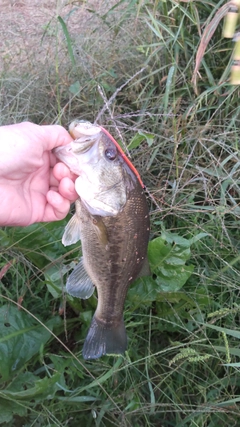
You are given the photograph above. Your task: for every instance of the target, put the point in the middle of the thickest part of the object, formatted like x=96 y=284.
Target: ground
x=29 y=28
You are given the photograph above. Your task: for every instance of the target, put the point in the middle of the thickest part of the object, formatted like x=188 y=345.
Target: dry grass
x=29 y=34
x=38 y=78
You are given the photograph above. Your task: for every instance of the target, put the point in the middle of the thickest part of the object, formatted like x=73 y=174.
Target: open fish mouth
x=85 y=136
x=85 y=142
x=81 y=129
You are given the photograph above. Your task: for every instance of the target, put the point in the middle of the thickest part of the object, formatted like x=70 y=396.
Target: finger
x=61 y=171
x=53 y=159
x=67 y=189
x=57 y=208
x=53 y=182
x=54 y=136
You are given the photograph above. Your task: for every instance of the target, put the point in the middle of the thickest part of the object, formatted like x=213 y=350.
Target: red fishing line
x=124 y=156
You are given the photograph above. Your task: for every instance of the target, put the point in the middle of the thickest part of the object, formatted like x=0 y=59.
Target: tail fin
x=102 y=339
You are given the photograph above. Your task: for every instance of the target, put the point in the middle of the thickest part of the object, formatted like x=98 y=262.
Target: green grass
x=182 y=365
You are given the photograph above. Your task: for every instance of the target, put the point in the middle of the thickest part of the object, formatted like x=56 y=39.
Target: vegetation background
x=182 y=365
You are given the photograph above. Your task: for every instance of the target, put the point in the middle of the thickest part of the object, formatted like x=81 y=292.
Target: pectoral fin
x=79 y=283
x=100 y=229
x=71 y=233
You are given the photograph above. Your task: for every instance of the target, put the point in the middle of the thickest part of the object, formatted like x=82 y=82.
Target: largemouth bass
x=112 y=221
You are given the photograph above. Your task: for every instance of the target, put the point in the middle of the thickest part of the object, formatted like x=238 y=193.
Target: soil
x=31 y=32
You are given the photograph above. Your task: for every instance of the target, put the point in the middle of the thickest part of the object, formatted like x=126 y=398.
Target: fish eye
x=111 y=153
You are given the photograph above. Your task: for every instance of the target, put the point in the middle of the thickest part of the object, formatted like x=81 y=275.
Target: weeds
x=182 y=364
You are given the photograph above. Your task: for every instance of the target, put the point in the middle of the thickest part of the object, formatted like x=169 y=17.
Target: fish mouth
x=65 y=154
x=85 y=135
x=78 y=129
x=85 y=141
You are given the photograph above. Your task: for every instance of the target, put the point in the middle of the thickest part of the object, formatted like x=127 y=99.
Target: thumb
x=54 y=136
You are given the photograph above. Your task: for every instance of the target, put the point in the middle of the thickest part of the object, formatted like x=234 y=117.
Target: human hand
x=33 y=186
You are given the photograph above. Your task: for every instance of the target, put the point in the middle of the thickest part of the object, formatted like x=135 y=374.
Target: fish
x=112 y=221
